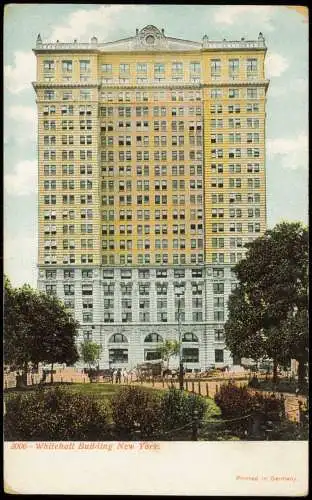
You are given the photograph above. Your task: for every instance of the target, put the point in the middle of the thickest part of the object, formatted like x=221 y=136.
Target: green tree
x=168 y=349
x=273 y=281
x=90 y=352
x=296 y=332
x=37 y=328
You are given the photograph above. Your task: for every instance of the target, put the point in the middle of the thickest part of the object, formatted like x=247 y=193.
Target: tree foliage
x=90 y=352
x=37 y=328
x=168 y=349
x=267 y=310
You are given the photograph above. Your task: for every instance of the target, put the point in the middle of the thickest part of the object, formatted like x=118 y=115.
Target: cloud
x=24 y=113
x=275 y=64
x=19 y=75
x=84 y=22
x=20 y=124
x=293 y=152
x=20 y=255
x=297 y=85
x=23 y=181
x=233 y=14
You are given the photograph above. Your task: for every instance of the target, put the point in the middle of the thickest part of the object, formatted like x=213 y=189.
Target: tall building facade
x=151 y=154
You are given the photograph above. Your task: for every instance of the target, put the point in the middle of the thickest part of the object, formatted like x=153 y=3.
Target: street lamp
x=179 y=291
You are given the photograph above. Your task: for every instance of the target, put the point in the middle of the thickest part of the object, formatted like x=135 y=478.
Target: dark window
x=219 y=355
x=190 y=355
x=153 y=337
x=118 y=338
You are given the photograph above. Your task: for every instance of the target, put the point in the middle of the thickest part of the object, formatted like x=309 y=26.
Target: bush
x=136 y=413
x=140 y=414
x=233 y=401
x=178 y=409
x=236 y=402
x=55 y=415
x=290 y=431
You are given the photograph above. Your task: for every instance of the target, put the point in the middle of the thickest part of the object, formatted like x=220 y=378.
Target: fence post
x=163 y=382
x=283 y=401
x=216 y=388
x=199 y=388
x=193 y=387
x=300 y=412
x=207 y=389
x=187 y=385
x=195 y=426
x=153 y=382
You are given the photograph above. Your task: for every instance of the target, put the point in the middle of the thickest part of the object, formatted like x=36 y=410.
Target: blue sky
x=286 y=33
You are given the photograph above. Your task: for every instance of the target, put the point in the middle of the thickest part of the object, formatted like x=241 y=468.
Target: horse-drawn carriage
x=149 y=370
x=155 y=370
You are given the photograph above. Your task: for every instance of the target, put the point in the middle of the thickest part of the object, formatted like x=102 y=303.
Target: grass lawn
x=99 y=390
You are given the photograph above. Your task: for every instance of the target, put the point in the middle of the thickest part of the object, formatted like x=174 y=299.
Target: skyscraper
x=151 y=153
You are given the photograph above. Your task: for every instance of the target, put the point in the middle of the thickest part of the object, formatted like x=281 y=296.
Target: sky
x=286 y=33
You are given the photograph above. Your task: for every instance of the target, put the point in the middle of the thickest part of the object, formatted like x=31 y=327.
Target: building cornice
x=150 y=39
x=167 y=85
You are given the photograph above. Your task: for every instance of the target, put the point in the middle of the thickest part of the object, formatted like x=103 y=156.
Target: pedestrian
x=115 y=375
x=111 y=375
x=118 y=376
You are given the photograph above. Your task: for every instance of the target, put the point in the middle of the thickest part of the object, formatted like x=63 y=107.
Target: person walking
x=118 y=376
x=115 y=375
x=125 y=376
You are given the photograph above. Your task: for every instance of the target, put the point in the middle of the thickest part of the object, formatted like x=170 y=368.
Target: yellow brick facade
x=151 y=153
x=187 y=144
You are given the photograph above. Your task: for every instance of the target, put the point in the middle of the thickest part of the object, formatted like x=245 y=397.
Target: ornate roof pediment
x=151 y=38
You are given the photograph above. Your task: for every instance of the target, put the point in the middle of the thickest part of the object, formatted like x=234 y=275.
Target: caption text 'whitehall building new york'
x=151 y=180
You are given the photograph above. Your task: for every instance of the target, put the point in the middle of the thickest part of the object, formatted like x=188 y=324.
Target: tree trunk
x=301 y=374
x=275 y=377
x=52 y=366
x=24 y=376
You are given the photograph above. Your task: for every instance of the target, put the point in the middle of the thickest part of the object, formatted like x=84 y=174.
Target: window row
x=110 y=156
x=52 y=155
x=155 y=95
x=156 y=125
x=181 y=244
x=194 y=258
x=252 y=227
x=84 y=65
x=141 y=141
x=235 y=138
x=235 y=123
x=235 y=108
x=237 y=93
x=52 y=95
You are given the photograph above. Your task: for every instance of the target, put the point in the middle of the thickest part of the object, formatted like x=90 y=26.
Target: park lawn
x=100 y=390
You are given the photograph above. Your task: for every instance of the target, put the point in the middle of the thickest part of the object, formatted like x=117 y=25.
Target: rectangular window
x=84 y=66
x=106 y=68
x=195 y=67
x=219 y=355
x=190 y=355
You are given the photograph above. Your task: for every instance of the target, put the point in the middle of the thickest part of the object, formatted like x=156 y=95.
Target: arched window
x=153 y=337
x=189 y=337
x=118 y=338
